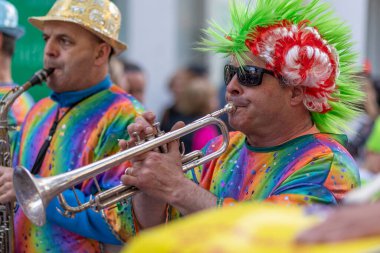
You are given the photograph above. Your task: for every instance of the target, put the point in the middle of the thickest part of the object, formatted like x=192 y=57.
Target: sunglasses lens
x=249 y=76
x=229 y=72
x=249 y=79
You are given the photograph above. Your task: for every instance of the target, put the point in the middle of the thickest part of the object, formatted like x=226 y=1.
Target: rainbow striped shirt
x=87 y=133
x=313 y=168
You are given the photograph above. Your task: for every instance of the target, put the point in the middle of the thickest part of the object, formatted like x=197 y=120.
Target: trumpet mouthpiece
x=230 y=107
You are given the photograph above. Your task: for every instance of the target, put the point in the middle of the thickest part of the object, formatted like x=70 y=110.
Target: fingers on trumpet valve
x=142 y=130
x=123 y=144
x=128 y=171
x=131 y=171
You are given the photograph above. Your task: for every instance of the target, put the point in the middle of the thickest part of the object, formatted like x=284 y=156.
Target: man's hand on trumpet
x=143 y=126
x=160 y=178
x=155 y=173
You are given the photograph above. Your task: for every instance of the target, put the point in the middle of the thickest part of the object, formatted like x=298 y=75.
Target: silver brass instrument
x=34 y=194
x=6 y=211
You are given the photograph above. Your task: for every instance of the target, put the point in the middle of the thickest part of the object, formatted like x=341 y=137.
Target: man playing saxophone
x=77 y=125
x=290 y=79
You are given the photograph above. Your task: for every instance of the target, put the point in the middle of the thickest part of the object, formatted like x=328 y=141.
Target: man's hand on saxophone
x=7 y=193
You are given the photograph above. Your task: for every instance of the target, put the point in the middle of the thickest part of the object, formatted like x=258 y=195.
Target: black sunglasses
x=247 y=75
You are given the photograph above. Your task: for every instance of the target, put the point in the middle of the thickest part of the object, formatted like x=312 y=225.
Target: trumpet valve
x=159 y=132
x=182 y=149
x=157 y=127
x=138 y=141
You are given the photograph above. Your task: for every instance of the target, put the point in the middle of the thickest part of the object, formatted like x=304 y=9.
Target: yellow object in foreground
x=242 y=228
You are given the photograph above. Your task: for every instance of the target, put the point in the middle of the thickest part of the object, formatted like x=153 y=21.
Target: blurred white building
x=161 y=35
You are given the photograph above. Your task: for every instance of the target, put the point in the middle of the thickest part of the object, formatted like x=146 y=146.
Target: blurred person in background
x=197 y=99
x=372 y=155
x=370 y=134
x=116 y=70
x=10 y=32
x=128 y=76
x=134 y=80
x=181 y=79
x=190 y=104
x=362 y=126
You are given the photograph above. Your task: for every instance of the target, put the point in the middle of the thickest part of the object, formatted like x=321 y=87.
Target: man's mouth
x=56 y=70
x=238 y=102
x=49 y=64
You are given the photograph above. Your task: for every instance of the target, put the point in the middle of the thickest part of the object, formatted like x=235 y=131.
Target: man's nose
x=51 y=49
x=233 y=87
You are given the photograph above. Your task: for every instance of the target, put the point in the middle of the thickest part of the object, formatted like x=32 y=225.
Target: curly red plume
x=300 y=56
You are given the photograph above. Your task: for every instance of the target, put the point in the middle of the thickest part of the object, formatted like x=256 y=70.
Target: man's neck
x=282 y=134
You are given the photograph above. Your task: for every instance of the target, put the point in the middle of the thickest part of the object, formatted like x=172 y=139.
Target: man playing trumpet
x=290 y=79
x=77 y=125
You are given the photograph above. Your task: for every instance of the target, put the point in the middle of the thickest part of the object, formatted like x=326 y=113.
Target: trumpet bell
x=30 y=195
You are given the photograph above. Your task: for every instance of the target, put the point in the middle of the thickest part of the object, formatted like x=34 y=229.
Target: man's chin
x=54 y=86
x=234 y=123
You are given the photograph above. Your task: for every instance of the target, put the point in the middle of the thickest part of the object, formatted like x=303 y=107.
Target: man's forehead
x=60 y=26
x=249 y=59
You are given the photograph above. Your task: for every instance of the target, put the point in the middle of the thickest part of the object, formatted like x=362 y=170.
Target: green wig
x=304 y=44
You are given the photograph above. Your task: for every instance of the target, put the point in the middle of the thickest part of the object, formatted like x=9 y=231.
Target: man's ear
x=103 y=51
x=297 y=95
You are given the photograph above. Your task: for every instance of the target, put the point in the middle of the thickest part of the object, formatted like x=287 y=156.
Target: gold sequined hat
x=100 y=17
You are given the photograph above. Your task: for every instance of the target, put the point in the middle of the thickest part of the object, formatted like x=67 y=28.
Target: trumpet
x=34 y=194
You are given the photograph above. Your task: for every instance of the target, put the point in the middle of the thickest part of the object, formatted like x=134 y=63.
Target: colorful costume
x=18 y=110
x=313 y=168
x=20 y=107
x=86 y=133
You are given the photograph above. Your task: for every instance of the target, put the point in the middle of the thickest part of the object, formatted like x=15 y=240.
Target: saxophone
x=7 y=210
